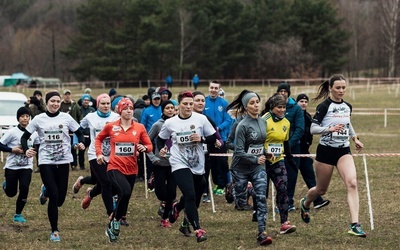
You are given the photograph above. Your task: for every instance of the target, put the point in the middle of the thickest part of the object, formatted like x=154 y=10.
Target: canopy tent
x=15 y=79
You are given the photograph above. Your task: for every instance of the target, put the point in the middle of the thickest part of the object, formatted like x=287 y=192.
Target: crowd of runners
x=174 y=139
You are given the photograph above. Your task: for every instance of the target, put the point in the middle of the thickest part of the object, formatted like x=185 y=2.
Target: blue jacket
x=150 y=115
x=295 y=115
x=216 y=110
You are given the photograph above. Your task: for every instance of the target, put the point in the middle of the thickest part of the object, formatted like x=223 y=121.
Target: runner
x=54 y=155
x=332 y=122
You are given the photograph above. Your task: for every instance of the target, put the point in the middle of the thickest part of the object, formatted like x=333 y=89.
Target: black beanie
x=22 y=111
x=37 y=92
x=301 y=96
x=51 y=94
x=165 y=103
x=284 y=86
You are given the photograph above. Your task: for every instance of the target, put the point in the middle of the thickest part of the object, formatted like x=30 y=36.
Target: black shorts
x=330 y=155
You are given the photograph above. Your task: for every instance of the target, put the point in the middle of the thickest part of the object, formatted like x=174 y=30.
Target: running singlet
x=330 y=113
x=277 y=133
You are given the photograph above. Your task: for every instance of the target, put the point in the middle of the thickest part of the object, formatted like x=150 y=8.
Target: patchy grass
x=228 y=228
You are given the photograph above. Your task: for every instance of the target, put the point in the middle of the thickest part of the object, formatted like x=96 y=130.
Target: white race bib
x=342 y=135
x=205 y=148
x=255 y=149
x=275 y=149
x=124 y=149
x=53 y=137
x=183 y=137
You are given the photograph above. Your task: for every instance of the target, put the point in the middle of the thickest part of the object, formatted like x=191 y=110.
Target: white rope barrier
x=313 y=155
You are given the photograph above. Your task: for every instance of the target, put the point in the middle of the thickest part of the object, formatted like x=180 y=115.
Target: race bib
x=124 y=149
x=275 y=149
x=53 y=137
x=255 y=149
x=342 y=135
x=183 y=137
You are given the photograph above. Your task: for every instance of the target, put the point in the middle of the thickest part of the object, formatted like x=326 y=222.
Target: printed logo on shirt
x=284 y=128
x=134 y=132
x=206 y=108
x=116 y=128
x=60 y=126
x=254 y=135
x=220 y=108
x=151 y=115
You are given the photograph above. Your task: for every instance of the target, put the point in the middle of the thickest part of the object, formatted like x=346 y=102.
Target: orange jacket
x=123 y=144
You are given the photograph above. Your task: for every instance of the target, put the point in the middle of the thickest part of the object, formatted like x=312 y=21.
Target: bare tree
x=390 y=25
x=185 y=18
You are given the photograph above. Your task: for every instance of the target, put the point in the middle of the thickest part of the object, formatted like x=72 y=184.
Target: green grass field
x=228 y=228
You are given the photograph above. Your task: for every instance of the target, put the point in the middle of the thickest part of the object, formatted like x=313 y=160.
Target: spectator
x=168 y=81
x=195 y=81
x=70 y=107
x=215 y=108
x=92 y=101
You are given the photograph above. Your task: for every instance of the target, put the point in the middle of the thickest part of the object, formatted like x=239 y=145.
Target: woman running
x=187 y=158
x=54 y=155
x=127 y=139
x=332 y=122
x=95 y=122
x=249 y=157
x=277 y=143
x=164 y=183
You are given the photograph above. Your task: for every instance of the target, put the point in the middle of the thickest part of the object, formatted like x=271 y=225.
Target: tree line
x=148 y=39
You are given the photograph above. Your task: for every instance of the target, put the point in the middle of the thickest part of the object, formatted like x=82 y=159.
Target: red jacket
x=123 y=144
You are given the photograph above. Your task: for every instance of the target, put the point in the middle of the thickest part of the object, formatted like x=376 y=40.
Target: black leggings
x=13 y=177
x=103 y=185
x=55 y=179
x=165 y=187
x=192 y=187
x=123 y=184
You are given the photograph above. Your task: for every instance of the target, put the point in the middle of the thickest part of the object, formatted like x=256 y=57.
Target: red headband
x=123 y=104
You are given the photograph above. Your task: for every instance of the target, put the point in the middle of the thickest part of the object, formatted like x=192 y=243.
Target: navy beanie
x=284 y=86
x=22 y=111
x=301 y=96
x=112 y=92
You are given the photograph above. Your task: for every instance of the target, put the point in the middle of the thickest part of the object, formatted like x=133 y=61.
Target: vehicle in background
x=43 y=83
x=10 y=102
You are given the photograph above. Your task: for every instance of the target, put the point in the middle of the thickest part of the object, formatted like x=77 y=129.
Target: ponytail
x=323 y=90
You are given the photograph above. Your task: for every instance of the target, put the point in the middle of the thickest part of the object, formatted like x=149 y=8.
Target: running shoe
x=161 y=208
x=206 y=199
x=77 y=185
x=86 y=200
x=185 y=229
x=356 y=230
x=4 y=186
x=201 y=235
x=115 y=227
x=174 y=214
x=322 y=204
x=264 y=239
x=19 y=218
x=305 y=212
x=42 y=196
x=124 y=222
x=165 y=223
x=286 y=228
x=55 y=236
x=219 y=191
x=291 y=208
x=111 y=237
x=215 y=189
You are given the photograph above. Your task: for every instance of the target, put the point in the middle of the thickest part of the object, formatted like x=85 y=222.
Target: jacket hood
x=162 y=89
